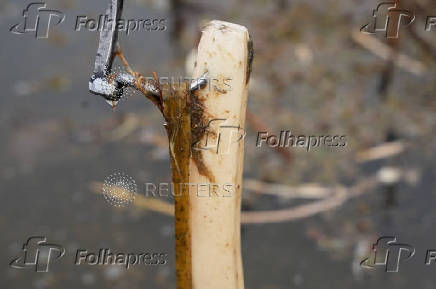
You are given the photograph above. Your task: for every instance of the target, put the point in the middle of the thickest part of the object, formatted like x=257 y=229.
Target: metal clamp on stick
x=111 y=85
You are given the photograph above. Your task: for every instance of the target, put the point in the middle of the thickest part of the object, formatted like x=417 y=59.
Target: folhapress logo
x=388 y=18
x=38 y=19
x=221 y=138
x=39 y=254
x=388 y=253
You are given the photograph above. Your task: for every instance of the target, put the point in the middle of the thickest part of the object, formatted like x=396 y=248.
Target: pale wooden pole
x=208 y=178
x=225 y=53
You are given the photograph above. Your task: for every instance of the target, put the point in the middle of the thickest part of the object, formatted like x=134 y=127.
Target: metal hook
x=111 y=85
x=100 y=82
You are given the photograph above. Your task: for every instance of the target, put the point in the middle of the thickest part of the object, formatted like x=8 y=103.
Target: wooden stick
x=207 y=178
x=225 y=53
